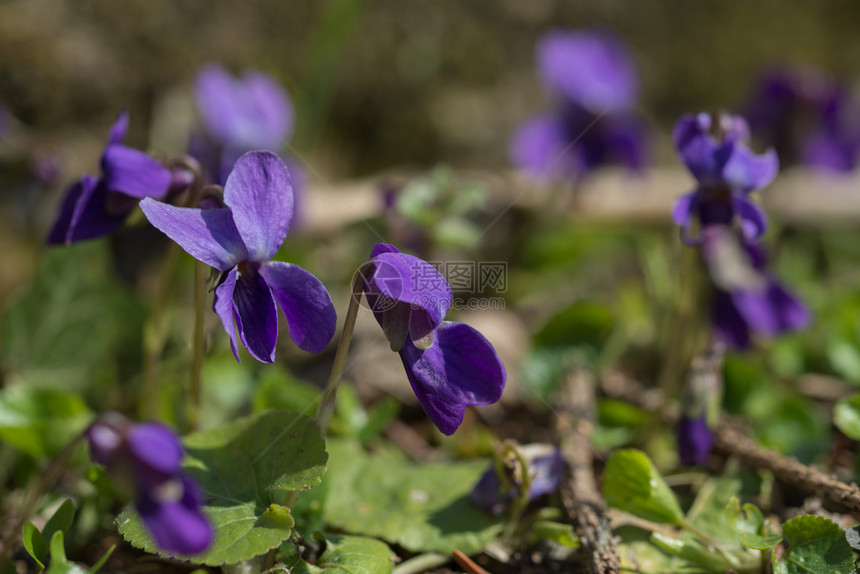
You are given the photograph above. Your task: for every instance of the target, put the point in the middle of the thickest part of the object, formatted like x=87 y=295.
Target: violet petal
x=753 y=218
x=543 y=147
x=695 y=440
x=305 y=302
x=272 y=107
x=134 y=173
x=222 y=304
x=177 y=526
x=746 y=171
x=156 y=452
x=259 y=193
x=118 y=129
x=256 y=315
x=209 y=235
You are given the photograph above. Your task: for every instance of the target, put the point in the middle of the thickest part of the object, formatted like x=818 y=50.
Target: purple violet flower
x=94 y=207
x=592 y=80
x=700 y=407
x=146 y=460
x=449 y=365
x=747 y=299
x=726 y=171
x=239 y=115
x=807 y=117
x=546 y=466
x=239 y=240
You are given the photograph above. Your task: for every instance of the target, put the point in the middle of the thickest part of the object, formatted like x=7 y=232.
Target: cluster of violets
x=746 y=300
x=449 y=365
x=592 y=82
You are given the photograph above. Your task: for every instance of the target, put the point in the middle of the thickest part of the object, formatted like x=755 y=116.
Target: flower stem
x=326 y=408
x=194 y=386
x=421 y=563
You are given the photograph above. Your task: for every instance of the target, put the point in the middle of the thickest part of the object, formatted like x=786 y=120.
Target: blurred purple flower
x=807 y=117
x=145 y=459
x=94 y=207
x=546 y=467
x=747 y=300
x=449 y=365
x=592 y=80
x=239 y=240
x=700 y=407
x=726 y=171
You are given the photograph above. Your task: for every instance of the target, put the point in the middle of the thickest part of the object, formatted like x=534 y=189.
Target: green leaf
x=632 y=483
x=750 y=526
x=697 y=553
x=245 y=468
x=34 y=543
x=846 y=416
x=424 y=508
x=555 y=531
x=59 y=563
x=61 y=521
x=815 y=545
x=708 y=510
x=350 y=555
x=40 y=422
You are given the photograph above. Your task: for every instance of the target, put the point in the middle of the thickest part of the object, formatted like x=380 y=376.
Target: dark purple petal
x=209 y=235
x=383 y=248
x=413 y=282
x=543 y=147
x=305 y=302
x=134 y=173
x=118 y=129
x=690 y=128
x=746 y=171
x=85 y=213
x=625 y=141
x=445 y=415
x=593 y=70
x=460 y=367
x=259 y=193
x=729 y=326
x=753 y=218
x=176 y=523
x=156 y=453
x=487 y=493
x=695 y=440
x=793 y=315
x=222 y=304
x=256 y=314
x=273 y=108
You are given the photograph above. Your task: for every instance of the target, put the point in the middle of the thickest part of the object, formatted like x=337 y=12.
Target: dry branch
x=585 y=507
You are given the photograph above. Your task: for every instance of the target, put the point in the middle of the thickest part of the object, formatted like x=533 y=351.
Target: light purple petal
x=273 y=108
x=543 y=147
x=206 y=234
x=823 y=150
x=593 y=70
x=134 y=173
x=156 y=452
x=753 y=218
x=746 y=171
x=259 y=193
x=177 y=526
x=256 y=315
x=105 y=442
x=223 y=307
x=757 y=311
x=460 y=367
x=685 y=208
x=220 y=108
x=118 y=129
x=84 y=214
x=305 y=302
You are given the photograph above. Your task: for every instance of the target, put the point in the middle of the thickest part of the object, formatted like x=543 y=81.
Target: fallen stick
x=731 y=440
x=585 y=507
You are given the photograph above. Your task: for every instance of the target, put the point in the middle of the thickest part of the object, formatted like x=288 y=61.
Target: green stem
x=421 y=563
x=687 y=525
x=525 y=487
x=195 y=387
x=326 y=408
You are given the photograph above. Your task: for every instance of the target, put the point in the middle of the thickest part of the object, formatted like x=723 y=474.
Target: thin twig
x=574 y=422
x=731 y=440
